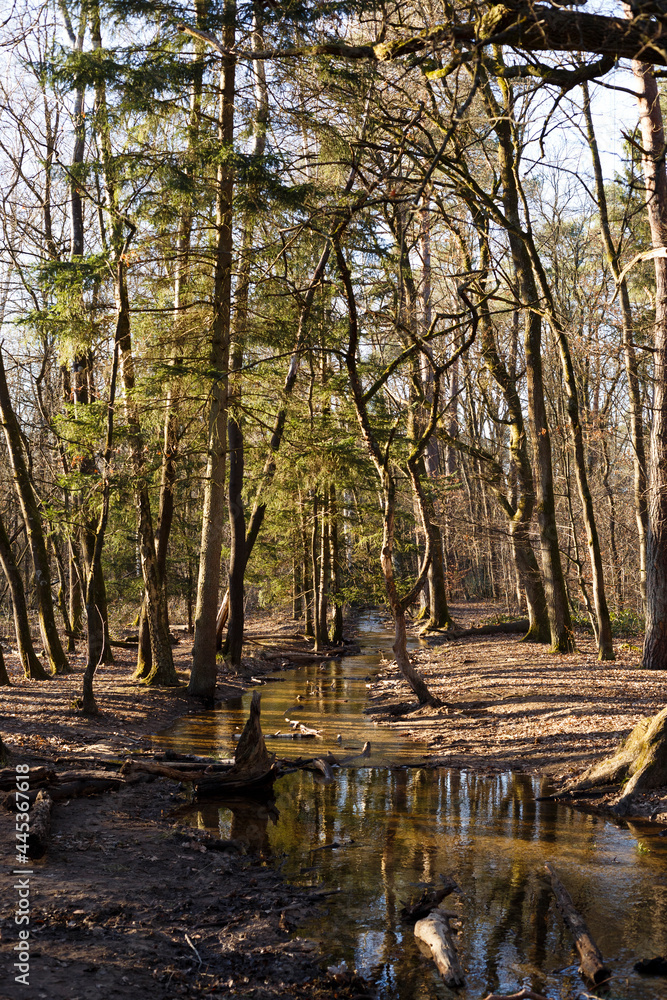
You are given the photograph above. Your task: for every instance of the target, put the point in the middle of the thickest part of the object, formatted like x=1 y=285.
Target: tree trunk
x=171 y=437
x=562 y=638
x=32 y=667
x=4 y=676
x=380 y=459
x=75 y=602
x=631 y=367
x=204 y=667
x=237 y=561
x=33 y=522
x=337 y=627
x=315 y=571
x=240 y=548
x=639 y=763
x=655 y=176
x=162 y=671
x=325 y=572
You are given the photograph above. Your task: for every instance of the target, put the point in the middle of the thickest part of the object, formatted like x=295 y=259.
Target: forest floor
x=514 y=706
x=129 y=901
x=127 y=891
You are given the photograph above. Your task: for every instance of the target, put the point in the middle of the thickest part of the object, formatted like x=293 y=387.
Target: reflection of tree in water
x=250 y=821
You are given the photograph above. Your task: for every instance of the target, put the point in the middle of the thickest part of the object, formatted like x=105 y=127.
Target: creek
x=398 y=825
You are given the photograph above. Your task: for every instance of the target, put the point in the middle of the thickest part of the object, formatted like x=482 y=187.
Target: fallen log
x=40 y=825
x=174 y=772
x=188 y=758
x=592 y=964
x=285 y=736
x=524 y=994
x=429 y=900
x=298 y=656
x=35 y=776
x=68 y=790
x=505 y=628
x=435 y=934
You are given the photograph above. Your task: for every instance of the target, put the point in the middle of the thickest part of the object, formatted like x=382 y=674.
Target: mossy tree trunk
x=640 y=764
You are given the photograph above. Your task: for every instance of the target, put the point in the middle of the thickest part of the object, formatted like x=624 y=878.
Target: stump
x=254 y=767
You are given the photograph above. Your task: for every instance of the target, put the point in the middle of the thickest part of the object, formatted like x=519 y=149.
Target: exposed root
x=639 y=764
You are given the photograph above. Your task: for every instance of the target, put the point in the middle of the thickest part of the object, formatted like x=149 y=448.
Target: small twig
x=199 y=958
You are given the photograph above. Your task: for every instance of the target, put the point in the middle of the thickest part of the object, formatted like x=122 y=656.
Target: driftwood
x=592 y=965
x=254 y=767
x=429 y=900
x=40 y=825
x=524 y=994
x=435 y=934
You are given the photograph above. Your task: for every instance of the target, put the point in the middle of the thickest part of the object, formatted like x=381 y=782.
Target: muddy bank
x=128 y=899
x=127 y=902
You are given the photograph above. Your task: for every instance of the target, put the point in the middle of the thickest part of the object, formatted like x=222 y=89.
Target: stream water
x=398 y=826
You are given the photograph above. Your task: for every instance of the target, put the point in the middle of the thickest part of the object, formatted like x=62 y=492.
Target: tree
x=204 y=668
x=30 y=511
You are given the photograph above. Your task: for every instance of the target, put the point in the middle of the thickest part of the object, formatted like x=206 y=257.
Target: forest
x=316 y=311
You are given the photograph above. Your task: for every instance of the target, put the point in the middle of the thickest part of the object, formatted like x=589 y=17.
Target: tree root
x=639 y=763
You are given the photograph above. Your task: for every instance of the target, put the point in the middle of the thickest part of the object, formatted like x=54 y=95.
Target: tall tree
x=204 y=667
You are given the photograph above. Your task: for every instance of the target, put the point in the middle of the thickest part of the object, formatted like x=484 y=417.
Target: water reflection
x=329 y=697
x=401 y=828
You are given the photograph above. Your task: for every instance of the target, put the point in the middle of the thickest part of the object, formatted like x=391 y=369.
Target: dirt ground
x=130 y=901
x=515 y=706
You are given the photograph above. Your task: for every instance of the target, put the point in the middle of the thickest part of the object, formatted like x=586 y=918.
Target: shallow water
x=331 y=700
x=403 y=826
